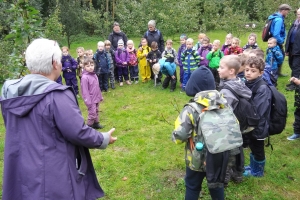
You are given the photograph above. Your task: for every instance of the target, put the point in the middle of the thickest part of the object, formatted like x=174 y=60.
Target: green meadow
x=144 y=164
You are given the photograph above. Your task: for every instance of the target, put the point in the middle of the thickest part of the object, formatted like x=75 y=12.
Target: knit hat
x=183 y=36
x=120 y=41
x=201 y=79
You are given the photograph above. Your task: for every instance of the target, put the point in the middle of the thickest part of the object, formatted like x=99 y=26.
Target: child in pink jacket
x=91 y=93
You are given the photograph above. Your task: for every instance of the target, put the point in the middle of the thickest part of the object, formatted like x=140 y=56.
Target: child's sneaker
x=136 y=82
x=121 y=84
x=128 y=82
x=295 y=136
x=96 y=125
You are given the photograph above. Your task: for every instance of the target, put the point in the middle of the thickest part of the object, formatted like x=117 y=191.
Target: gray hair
x=40 y=55
x=152 y=23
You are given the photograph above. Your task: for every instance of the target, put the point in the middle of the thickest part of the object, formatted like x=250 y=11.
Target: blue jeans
x=134 y=73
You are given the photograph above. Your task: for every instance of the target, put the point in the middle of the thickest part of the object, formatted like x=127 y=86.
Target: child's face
x=144 y=43
x=100 y=47
x=65 y=52
x=204 y=43
x=252 y=73
x=234 y=43
x=107 y=47
x=80 y=53
x=182 y=41
x=251 y=40
x=90 y=54
x=89 y=67
x=215 y=46
x=228 y=40
x=120 y=46
x=271 y=43
x=169 y=45
x=224 y=71
x=200 y=38
x=189 y=45
x=130 y=45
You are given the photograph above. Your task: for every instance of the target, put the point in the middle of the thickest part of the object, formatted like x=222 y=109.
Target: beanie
x=201 y=79
x=120 y=41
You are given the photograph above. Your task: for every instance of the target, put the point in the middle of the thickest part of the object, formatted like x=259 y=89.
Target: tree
x=26 y=26
x=54 y=28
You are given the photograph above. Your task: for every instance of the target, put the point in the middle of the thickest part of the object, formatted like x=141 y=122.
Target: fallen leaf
x=124 y=178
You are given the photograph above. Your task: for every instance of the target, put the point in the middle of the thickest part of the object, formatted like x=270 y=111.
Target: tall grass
x=144 y=163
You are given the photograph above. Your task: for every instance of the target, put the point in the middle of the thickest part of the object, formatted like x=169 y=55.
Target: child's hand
x=295 y=80
x=145 y=54
x=124 y=63
x=213 y=50
x=140 y=48
x=112 y=139
x=154 y=60
x=173 y=77
x=201 y=58
x=150 y=61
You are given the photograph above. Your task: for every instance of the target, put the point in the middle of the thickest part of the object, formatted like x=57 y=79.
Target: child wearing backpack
x=80 y=59
x=153 y=56
x=199 y=43
x=102 y=66
x=214 y=57
x=296 y=124
x=143 y=63
x=203 y=51
x=122 y=59
x=228 y=40
x=274 y=57
x=181 y=49
x=190 y=61
x=133 y=62
x=251 y=42
x=111 y=56
x=69 y=67
x=200 y=161
x=261 y=97
x=234 y=48
x=234 y=91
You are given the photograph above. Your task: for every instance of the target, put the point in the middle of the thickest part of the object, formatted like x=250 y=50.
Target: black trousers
x=296 y=124
x=257 y=149
x=169 y=79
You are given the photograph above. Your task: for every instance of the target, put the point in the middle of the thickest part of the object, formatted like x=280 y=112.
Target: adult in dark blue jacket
x=292 y=49
x=277 y=28
x=117 y=35
x=153 y=34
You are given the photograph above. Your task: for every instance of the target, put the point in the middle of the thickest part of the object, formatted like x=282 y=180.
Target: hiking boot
x=112 y=85
x=237 y=177
x=227 y=176
x=136 y=82
x=290 y=87
x=121 y=84
x=97 y=125
x=295 y=136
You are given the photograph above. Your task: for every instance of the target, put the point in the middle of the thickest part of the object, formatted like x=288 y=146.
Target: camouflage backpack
x=217 y=127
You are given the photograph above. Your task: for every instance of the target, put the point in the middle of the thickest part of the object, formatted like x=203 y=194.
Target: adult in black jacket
x=116 y=35
x=292 y=49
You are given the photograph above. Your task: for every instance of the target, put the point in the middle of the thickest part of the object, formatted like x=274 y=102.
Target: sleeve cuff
x=105 y=142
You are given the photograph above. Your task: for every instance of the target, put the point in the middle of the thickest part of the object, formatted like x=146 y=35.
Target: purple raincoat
x=90 y=89
x=121 y=55
x=46 y=152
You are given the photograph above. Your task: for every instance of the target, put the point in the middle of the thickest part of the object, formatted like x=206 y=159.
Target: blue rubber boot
x=257 y=169
x=251 y=162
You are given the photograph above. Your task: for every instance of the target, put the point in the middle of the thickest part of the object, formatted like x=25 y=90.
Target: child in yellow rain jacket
x=142 y=53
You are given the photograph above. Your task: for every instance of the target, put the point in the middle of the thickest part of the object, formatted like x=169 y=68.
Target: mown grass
x=145 y=164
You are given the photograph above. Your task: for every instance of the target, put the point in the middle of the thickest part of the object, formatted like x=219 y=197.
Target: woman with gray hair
x=153 y=34
x=46 y=152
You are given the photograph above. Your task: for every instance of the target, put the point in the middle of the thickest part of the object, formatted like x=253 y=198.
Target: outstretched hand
x=112 y=139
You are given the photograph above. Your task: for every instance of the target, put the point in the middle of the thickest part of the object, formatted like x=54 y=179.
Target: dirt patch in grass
x=173 y=177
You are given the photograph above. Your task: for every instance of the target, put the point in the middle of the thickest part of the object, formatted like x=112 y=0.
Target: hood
x=20 y=96
x=273 y=16
x=239 y=87
x=201 y=79
x=29 y=85
x=211 y=99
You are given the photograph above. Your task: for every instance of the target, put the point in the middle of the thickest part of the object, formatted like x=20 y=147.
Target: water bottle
x=199 y=146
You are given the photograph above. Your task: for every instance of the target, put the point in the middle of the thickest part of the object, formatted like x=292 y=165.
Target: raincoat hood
x=211 y=99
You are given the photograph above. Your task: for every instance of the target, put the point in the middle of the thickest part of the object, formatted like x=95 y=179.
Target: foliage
x=54 y=28
x=26 y=26
x=97 y=21
x=5 y=70
x=71 y=18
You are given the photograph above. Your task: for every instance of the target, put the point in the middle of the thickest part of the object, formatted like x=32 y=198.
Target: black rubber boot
x=97 y=125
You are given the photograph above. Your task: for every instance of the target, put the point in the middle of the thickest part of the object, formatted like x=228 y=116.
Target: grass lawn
x=144 y=163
